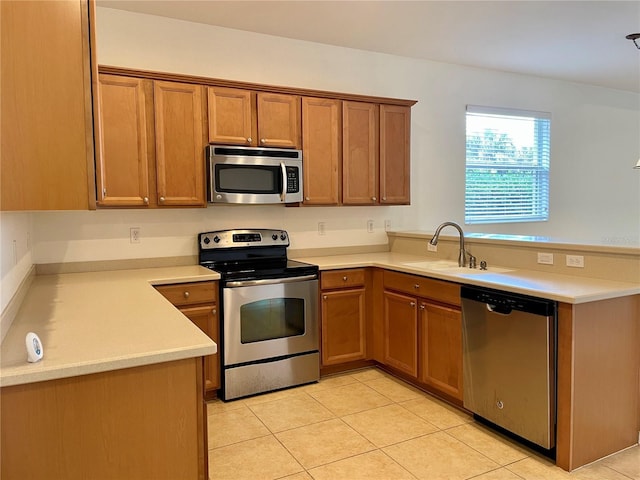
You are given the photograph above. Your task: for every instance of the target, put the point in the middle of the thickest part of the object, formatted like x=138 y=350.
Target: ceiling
x=578 y=41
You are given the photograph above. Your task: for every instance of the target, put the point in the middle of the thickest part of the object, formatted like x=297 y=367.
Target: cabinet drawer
x=194 y=293
x=342 y=278
x=439 y=290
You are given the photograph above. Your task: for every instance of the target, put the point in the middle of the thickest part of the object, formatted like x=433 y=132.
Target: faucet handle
x=472 y=261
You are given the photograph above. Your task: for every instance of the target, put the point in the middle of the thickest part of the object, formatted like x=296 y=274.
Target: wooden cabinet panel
x=232 y=116
x=401 y=332
x=47 y=128
x=439 y=290
x=125 y=141
x=206 y=319
x=278 y=120
x=180 y=143
x=395 y=174
x=342 y=278
x=359 y=153
x=322 y=150
x=343 y=326
x=441 y=348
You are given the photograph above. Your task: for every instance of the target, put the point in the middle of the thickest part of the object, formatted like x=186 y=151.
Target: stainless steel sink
x=446 y=266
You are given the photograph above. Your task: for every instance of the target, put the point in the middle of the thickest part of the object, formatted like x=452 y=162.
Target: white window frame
x=519 y=191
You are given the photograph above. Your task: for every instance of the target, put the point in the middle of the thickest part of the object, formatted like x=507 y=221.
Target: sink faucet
x=462 y=260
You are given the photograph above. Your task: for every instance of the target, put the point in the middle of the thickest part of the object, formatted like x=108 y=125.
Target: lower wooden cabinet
x=198 y=301
x=422 y=324
x=401 y=333
x=343 y=316
x=440 y=348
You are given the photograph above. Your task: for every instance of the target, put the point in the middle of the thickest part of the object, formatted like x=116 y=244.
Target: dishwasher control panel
x=506 y=301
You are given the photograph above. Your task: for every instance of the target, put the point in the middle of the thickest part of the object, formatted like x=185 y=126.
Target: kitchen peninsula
x=119 y=390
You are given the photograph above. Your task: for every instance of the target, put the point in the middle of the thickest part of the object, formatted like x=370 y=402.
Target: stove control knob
x=274 y=237
x=207 y=240
x=283 y=236
x=216 y=239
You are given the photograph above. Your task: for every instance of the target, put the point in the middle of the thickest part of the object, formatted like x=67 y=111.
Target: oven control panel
x=243 y=238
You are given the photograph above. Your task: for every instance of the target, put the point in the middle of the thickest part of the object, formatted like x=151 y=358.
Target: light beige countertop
x=563 y=288
x=101 y=321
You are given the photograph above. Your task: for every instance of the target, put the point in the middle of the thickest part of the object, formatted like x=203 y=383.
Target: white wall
x=595 y=193
x=16 y=259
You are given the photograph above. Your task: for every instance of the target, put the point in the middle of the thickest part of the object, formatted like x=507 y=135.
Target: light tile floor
x=369 y=425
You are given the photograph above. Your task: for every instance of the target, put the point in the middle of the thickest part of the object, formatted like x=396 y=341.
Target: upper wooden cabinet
x=126 y=140
x=359 y=153
x=243 y=117
x=395 y=174
x=321 y=150
x=152 y=140
x=47 y=136
x=180 y=141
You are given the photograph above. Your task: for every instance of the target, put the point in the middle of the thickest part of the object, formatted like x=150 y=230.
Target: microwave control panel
x=293 y=179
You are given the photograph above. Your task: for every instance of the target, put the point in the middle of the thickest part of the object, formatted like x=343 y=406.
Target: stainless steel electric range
x=269 y=327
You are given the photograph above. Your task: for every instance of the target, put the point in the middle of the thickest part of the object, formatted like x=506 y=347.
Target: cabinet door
x=401 y=333
x=395 y=175
x=322 y=152
x=125 y=146
x=180 y=143
x=359 y=153
x=47 y=127
x=232 y=116
x=206 y=319
x=441 y=348
x=278 y=120
x=343 y=326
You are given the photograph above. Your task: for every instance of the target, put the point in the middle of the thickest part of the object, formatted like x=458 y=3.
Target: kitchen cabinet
x=321 y=150
x=423 y=330
x=198 y=301
x=343 y=316
x=151 y=143
x=126 y=141
x=244 y=117
x=395 y=173
x=401 y=332
x=47 y=129
x=376 y=153
x=359 y=153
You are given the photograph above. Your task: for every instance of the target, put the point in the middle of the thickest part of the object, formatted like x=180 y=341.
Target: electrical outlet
x=322 y=228
x=575 y=261
x=545 y=258
x=432 y=248
x=370 y=226
x=134 y=235
x=387 y=225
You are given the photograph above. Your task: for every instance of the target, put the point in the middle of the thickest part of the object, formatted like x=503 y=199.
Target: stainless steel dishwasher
x=509 y=361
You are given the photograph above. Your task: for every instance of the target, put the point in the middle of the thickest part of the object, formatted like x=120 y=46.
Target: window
x=507 y=174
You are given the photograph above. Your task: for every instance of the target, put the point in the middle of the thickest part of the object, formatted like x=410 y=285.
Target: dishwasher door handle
x=499 y=310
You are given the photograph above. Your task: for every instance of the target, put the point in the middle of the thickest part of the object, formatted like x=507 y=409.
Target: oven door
x=265 y=319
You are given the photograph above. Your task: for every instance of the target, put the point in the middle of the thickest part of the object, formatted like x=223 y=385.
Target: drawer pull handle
x=344 y=279
x=186 y=294
x=417 y=286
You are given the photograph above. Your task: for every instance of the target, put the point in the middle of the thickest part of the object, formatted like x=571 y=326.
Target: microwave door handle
x=283 y=192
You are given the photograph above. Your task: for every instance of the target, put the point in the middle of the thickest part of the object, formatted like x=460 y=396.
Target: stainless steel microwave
x=253 y=175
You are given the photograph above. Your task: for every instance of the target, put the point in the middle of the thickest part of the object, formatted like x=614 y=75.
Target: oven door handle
x=270 y=281
x=283 y=192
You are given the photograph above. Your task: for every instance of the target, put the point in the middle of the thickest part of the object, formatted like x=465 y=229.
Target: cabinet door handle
x=307 y=198
x=422 y=306
x=263 y=141
x=146 y=200
x=161 y=199
x=374 y=199
x=413 y=304
x=384 y=199
x=214 y=311
x=186 y=294
x=249 y=140
x=324 y=297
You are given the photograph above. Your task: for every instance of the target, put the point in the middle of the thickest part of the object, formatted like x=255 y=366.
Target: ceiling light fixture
x=635 y=38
